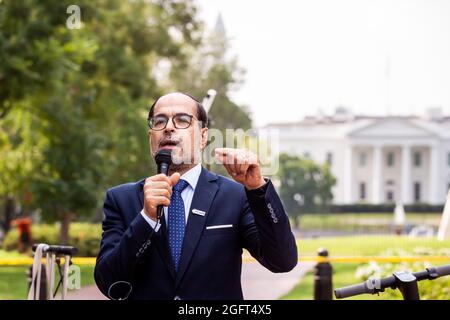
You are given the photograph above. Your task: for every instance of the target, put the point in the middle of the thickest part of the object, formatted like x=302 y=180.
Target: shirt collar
x=192 y=175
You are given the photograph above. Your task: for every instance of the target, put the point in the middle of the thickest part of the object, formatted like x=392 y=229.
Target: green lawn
x=344 y=274
x=363 y=222
x=13 y=279
x=13 y=283
x=369 y=245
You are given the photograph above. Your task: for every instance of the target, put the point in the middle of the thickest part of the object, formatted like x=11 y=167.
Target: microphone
x=163 y=161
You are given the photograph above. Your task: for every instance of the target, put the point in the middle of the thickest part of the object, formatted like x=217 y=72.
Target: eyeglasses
x=180 y=121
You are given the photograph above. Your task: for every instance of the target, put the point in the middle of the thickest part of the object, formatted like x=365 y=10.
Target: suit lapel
x=203 y=197
x=161 y=238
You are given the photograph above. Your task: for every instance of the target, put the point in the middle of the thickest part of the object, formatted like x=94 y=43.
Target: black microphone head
x=164 y=156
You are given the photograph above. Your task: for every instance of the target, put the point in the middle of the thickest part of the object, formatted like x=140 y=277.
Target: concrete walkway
x=86 y=293
x=258 y=283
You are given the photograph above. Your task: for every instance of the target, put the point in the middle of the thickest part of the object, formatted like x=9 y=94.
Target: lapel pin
x=199 y=212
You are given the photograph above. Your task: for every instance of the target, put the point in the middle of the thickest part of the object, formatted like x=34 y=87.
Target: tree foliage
x=73 y=102
x=305 y=185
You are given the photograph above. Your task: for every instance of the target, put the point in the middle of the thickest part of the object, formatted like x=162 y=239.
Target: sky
x=374 y=57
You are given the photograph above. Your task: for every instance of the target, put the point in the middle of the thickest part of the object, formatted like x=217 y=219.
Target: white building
x=376 y=159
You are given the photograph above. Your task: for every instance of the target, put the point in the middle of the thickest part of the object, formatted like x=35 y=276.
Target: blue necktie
x=176 y=222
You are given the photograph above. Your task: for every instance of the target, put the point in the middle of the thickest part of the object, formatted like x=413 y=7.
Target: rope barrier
x=83 y=261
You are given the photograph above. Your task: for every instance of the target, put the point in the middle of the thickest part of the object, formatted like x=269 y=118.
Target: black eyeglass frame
x=149 y=121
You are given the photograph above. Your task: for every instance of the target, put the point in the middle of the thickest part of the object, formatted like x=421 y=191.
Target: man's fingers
x=229 y=164
x=158 y=185
x=225 y=155
x=243 y=168
x=225 y=158
x=161 y=181
x=229 y=170
x=159 y=192
x=243 y=165
x=243 y=161
x=158 y=177
x=236 y=163
x=228 y=155
x=174 y=178
x=224 y=151
x=160 y=200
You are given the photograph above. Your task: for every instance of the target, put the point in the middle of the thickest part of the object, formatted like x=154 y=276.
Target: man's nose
x=169 y=127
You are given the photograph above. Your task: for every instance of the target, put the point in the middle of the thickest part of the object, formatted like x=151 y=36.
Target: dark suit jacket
x=129 y=262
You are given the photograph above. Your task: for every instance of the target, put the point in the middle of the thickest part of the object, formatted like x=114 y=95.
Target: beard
x=182 y=158
x=183 y=161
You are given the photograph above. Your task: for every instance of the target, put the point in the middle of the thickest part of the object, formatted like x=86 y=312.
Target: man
x=23 y=224
x=195 y=251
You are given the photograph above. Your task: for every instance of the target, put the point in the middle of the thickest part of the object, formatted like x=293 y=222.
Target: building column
x=406 y=185
x=434 y=196
x=376 y=174
x=348 y=171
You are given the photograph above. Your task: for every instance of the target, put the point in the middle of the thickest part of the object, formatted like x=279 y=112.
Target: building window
x=417 y=159
x=390 y=159
x=329 y=158
x=390 y=196
x=362 y=191
x=417 y=190
x=362 y=159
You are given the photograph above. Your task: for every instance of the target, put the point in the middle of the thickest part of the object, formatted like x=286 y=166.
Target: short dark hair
x=202 y=116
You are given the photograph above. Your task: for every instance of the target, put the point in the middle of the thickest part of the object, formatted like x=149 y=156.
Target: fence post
x=323 y=282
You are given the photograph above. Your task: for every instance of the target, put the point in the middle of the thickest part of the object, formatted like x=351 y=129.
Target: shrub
x=371 y=208
x=85 y=236
x=438 y=289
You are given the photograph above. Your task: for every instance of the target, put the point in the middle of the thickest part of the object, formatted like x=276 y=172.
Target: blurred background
x=358 y=91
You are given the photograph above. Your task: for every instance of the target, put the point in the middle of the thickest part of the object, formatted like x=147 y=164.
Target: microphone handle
x=162 y=168
x=159 y=212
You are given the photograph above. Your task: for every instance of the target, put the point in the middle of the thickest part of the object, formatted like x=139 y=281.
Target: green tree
x=19 y=150
x=86 y=92
x=305 y=185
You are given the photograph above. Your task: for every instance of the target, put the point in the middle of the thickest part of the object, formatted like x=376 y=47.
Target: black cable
x=58 y=262
x=61 y=276
x=156 y=226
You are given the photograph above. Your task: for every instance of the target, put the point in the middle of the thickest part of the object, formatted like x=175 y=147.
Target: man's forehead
x=175 y=103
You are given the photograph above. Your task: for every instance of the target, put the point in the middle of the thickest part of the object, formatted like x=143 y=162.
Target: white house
x=376 y=159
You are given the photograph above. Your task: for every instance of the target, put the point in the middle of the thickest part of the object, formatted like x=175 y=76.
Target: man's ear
x=204 y=138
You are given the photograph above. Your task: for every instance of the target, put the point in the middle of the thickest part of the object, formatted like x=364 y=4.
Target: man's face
x=186 y=144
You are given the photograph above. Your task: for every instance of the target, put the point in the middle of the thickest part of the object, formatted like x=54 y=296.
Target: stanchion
x=323 y=285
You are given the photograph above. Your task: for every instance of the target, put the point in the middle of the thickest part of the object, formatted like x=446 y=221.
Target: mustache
x=169 y=141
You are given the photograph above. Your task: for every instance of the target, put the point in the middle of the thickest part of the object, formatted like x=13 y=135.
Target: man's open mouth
x=168 y=144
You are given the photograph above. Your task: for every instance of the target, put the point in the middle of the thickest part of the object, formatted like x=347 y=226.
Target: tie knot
x=181 y=185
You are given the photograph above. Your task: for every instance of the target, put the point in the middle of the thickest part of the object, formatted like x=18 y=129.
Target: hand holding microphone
x=158 y=188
